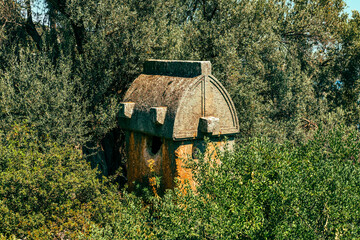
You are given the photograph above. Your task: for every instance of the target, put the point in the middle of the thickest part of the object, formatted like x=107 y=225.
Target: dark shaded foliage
x=291 y=67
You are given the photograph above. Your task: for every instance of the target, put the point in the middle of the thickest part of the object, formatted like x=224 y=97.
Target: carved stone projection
x=167 y=112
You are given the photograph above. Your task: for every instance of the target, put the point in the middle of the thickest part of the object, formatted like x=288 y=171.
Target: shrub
x=262 y=190
x=45 y=189
x=265 y=190
x=57 y=102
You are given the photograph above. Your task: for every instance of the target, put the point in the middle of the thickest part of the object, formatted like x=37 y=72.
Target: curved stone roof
x=169 y=100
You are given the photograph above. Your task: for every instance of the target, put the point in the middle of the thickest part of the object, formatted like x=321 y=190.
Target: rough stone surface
x=187 y=99
x=126 y=109
x=169 y=161
x=167 y=112
x=177 y=68
x=209 y=124
x=158 y=115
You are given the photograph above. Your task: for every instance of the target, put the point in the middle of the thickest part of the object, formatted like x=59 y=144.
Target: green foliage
x=53 y=100
x=45 y=189
x=49 y=191
x=261 y=190
x=263 y=53
x=276 y=58
x=291 y=67
x=266 y=190
x=346 y=72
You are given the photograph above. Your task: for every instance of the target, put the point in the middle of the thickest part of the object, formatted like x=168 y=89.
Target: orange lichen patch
x=213 y=149
x=151 y=163
x=167 y=173
x=143 y=164
x=183 y=173
x=152 y=179
x=153 y=185
x=137 y=161
x=135 y=168
x=212 y=152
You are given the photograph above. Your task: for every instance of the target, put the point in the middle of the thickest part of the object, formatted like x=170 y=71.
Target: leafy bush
x=265 y=190
x=54 y=100
x=44 y=188
x=262 y=190
x=48 y=191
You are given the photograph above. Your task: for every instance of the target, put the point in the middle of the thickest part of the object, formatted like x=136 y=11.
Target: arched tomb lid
x=178 y=100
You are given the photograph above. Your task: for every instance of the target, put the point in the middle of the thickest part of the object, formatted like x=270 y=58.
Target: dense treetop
x=289 y=65
x=292 y=68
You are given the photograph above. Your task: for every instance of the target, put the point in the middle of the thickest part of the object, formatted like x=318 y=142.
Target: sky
x=352 y=5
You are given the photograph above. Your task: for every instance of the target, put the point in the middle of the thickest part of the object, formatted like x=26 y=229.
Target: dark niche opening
x=155 y=144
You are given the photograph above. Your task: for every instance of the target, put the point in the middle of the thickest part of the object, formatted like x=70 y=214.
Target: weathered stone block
x=209 y=125
x=126 y=109
x=168 y=125
x=158 y=115
x=177 y=68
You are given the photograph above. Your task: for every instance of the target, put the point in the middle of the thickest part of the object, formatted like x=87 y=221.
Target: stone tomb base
x=150 y=156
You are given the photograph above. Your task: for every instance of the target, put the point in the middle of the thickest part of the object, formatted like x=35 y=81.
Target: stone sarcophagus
x=167 y=112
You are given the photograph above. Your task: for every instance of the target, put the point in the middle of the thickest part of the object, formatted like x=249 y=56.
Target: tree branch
x=30 y=26
x=78 y=27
